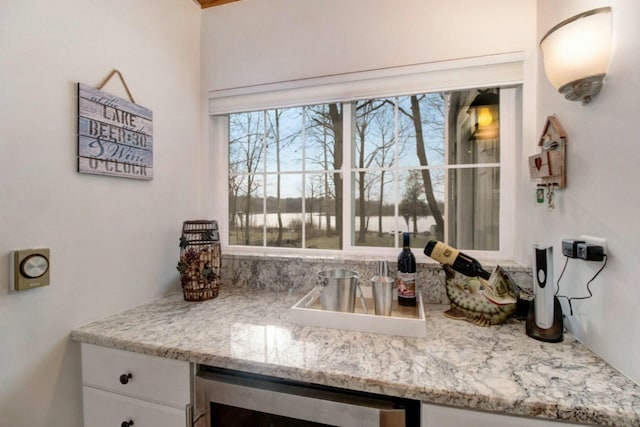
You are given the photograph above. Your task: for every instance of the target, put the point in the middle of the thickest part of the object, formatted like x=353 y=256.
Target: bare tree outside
x=246 y=147
x=427 y=111
x=412 y=204
x=366 y=153
x=320 y=135
x=281 y=136
x=313 y=191
x=385 y=158
x=378 y=137
x=327 y=122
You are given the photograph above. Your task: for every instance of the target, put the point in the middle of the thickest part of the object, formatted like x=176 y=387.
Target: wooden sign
x=114 y=135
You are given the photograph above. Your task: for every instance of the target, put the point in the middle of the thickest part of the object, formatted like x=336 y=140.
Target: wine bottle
x=406 y=278
x=459 y=261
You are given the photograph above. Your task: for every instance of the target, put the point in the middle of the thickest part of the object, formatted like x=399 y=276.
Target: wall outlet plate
x=599 y=241
x=30 y=268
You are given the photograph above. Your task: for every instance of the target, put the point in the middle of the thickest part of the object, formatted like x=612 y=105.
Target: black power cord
x=569 y=299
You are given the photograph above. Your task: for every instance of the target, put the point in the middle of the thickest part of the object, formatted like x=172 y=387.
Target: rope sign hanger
x=104 y=82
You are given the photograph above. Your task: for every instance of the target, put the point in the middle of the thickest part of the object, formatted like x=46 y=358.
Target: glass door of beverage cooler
x=234 y=399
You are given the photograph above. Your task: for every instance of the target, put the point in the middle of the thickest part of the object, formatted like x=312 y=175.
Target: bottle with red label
x=406 y=278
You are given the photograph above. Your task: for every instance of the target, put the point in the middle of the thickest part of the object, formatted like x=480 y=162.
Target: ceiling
x=211 y=3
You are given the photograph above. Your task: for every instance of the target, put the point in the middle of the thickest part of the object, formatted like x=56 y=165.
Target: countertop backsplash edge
x=294 y=273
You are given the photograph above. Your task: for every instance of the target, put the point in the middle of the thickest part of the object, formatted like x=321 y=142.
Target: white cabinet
x=103 y=408
x=444 y=416
x=121 y=387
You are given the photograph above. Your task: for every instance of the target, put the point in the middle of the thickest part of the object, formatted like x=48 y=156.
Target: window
x=427 y=163
x=285 y=188
x=347 y=162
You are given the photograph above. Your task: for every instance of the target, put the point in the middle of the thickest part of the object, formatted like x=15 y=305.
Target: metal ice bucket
x=338 y=290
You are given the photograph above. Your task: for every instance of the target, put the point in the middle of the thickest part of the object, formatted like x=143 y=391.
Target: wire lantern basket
x=199 y=264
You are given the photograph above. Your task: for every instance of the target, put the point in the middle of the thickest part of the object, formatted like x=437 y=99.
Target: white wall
x=601 y=198
x=266 y=41
x=113 y=241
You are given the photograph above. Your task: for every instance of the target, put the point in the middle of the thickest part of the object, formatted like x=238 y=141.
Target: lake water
x=389 y=223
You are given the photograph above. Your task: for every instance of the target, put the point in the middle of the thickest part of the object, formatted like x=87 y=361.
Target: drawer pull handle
x=127 y=423
x=124 y=379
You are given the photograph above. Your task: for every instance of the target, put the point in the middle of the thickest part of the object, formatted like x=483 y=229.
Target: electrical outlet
x=599 y=241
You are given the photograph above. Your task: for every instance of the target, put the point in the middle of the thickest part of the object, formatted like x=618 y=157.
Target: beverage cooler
x=237 y=399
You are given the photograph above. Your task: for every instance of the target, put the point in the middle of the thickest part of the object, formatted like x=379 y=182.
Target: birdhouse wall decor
x=548 y=167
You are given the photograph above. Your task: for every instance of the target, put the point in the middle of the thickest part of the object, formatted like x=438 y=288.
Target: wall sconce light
x=487 y=115
x=576 y=54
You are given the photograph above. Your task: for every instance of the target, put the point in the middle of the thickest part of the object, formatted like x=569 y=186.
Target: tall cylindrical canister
x=382 y=289
x=543 y=292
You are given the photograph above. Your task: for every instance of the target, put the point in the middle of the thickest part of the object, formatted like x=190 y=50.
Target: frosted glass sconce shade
x=576 y=54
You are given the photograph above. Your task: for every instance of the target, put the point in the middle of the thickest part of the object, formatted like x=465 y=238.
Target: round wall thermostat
x=34 y=266
x=31 y=268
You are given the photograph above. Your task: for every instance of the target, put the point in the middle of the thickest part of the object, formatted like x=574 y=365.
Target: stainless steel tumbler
x=382 y=289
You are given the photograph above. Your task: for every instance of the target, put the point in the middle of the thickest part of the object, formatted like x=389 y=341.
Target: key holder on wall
x=548 y=167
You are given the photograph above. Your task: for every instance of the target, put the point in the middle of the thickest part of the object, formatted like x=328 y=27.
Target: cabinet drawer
x=159 y=380
x=103 y=408
x=443 y=416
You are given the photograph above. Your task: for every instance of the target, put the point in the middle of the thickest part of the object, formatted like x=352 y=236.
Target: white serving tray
x=404 y=321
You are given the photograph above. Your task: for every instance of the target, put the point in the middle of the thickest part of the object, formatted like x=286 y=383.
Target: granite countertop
x=495 y=368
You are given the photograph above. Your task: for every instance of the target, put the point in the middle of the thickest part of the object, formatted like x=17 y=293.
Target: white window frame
x=503 y=70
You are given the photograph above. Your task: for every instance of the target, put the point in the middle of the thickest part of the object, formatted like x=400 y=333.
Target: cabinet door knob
x=124 y=379
x=126 y=423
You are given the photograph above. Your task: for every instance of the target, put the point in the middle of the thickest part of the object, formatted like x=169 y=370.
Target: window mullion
x=304 y=181
x=348 y=118
x=447 y=184
x=264 y=178
x=508 y=144
x=396 y=172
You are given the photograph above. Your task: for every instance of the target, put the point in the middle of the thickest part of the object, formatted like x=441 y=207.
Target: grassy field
x=293 y=239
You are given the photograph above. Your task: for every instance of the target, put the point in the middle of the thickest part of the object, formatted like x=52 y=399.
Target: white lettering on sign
x=111 y=168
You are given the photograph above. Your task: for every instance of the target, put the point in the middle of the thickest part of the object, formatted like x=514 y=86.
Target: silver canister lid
x=382 y=269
